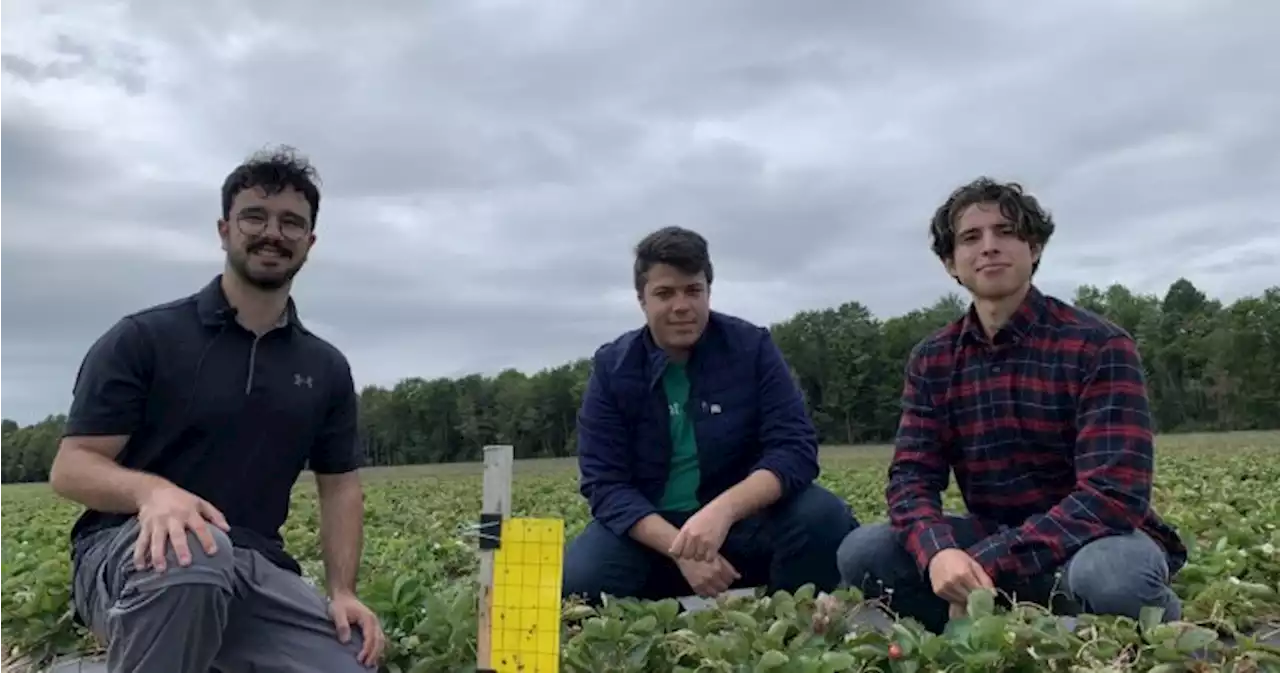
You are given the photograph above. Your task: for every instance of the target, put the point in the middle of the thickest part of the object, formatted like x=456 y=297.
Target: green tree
x=1208 y=366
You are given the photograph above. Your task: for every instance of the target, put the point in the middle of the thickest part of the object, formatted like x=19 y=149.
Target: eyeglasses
x=255 y=224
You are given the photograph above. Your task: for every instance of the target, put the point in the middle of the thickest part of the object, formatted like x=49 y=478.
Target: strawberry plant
x=420 y=558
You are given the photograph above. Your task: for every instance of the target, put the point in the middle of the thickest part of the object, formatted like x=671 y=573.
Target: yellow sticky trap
x=525 y=627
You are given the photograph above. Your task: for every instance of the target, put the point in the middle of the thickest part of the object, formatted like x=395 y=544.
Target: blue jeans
x=1116 y=575
x=788 y=545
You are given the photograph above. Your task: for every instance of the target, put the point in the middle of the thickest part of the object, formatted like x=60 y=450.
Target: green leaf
x=777 y=632
x=981 y=603
x=644 y=626
x=772 y=660
x=839 y=661
x=1196 y=638
x=1150 y=617
x=742 y=620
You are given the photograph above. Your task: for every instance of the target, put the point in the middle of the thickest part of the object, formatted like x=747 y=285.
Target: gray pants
x=230 y=612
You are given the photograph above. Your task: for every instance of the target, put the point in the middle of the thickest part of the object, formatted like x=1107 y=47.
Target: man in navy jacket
x=697 y=455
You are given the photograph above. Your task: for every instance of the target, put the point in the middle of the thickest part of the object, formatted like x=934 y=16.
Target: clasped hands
x=696 y=551
x=953 y=574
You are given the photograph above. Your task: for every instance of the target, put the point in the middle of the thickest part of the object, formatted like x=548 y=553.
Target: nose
x=990 y=243
x=273 y=230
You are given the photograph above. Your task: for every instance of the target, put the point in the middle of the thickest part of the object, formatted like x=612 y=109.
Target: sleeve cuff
x=621 y=524
x=95 y=427
x=930 y=540
x=786 y=484
x=336 y=468
x=988 y=553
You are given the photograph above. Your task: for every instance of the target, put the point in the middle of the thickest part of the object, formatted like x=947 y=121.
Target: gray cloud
x=488 y=165
x=73 y=59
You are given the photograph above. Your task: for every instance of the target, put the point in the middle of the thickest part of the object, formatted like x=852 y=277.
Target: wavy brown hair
x=1031 y=221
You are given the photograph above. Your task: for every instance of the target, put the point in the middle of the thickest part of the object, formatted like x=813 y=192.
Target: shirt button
x=995 y=369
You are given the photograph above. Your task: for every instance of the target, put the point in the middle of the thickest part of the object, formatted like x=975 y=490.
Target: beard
x=266 y=279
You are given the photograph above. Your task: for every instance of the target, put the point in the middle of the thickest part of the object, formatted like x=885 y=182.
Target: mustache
x=268 y=245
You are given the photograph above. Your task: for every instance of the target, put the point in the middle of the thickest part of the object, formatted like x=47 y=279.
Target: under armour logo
x=300 y=380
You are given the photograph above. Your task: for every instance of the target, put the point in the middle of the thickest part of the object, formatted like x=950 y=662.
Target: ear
x=224 y=232
x=1036 y=250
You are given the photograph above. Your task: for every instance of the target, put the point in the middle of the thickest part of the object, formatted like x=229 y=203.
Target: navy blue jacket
x=748 y=414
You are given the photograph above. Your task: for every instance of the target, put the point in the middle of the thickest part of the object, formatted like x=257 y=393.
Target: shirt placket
x=994 y=373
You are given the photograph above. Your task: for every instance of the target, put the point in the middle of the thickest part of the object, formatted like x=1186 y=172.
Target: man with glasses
x=190 y=423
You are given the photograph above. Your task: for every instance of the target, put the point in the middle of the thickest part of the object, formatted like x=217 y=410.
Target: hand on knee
x=177 y=527
x=166 y=551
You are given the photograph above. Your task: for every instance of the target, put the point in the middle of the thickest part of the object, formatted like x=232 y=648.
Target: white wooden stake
x=496 y=499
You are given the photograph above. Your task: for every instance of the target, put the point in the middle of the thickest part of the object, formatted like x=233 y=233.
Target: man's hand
x=346 y=610
x=167 y=513
x=708 y=578
x=954 y=574
x=700 y=537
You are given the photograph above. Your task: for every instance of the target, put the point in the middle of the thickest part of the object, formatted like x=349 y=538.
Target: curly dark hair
x=273 y=170
x=681 y=248
x=1032 y=222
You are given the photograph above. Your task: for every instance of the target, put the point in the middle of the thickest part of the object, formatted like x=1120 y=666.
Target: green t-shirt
x=682 y=481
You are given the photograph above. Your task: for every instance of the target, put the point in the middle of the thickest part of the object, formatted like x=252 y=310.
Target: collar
x=656 y=359
x=216 y=311
x=1030 y=313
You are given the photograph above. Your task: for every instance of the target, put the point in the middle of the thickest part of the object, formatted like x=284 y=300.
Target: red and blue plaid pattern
x=1048 y=430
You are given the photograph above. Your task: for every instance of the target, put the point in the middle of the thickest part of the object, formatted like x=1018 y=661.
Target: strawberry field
x=1223 y=491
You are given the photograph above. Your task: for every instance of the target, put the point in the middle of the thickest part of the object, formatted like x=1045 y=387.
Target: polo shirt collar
x=214 y=309
x=1030 y=313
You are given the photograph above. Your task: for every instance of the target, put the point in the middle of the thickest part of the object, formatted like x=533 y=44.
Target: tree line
x=1209 y=367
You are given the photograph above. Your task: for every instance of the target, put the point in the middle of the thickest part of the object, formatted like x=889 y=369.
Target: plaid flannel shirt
x=1048 y=430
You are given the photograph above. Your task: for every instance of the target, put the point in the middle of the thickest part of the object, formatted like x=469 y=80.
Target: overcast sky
x=488 y=165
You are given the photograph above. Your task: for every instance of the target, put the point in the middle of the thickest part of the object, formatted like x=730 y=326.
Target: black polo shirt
x=229 y=416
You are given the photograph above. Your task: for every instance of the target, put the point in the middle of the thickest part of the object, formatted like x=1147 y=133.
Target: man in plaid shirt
x=1041 y=410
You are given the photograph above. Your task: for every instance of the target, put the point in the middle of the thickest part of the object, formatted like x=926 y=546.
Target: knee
x=203 y=568
x=1120 y=575
x=598 y=562
x=819 y=515
x=580 y=577
x=868 y=554
x=221 y=560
